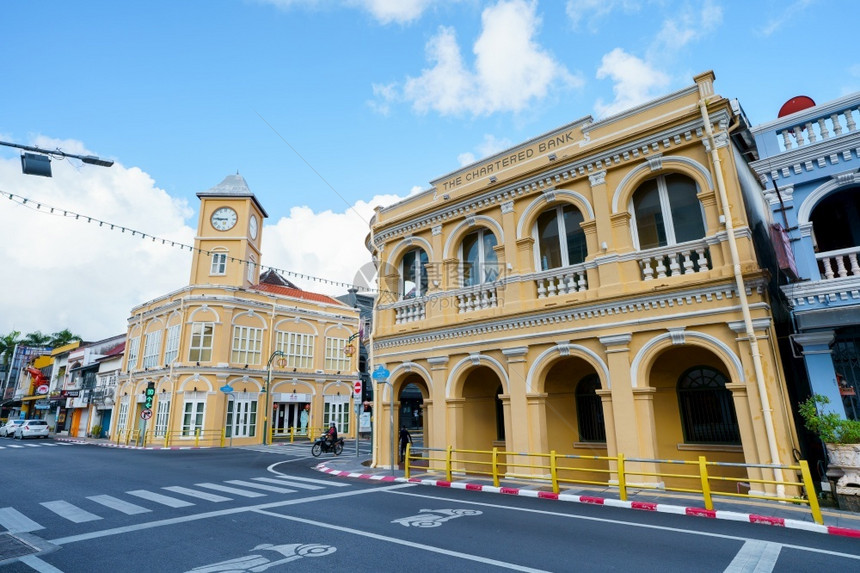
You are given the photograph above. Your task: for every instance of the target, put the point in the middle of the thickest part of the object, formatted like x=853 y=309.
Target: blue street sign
x=226 y=388
x=380 y=373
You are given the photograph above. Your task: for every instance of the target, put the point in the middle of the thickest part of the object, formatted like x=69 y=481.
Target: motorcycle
x=322 y=445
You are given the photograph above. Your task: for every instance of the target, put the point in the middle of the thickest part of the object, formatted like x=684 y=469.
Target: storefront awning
x=39 y=397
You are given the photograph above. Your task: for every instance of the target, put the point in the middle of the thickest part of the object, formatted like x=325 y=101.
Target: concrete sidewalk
x=836 y=522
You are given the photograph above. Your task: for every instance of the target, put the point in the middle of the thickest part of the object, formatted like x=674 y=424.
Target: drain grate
x=12 y=547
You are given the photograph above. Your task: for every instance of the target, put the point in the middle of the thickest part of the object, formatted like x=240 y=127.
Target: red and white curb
x=127 y=447
x=641 y=505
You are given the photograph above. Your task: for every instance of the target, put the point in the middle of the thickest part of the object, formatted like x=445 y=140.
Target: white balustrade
x=812 y=129
x=839 y=264
x=676 y=260
x=560 y=281
x=409 y=310
x=477 y=298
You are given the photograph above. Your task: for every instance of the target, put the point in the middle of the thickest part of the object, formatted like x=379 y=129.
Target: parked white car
x=31 y=429
x=7 y=429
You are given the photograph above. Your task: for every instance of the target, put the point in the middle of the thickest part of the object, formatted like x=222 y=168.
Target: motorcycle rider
x=331 y=435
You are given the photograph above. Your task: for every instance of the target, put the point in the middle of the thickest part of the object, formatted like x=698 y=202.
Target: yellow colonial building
x=236 y=356
x=592 y=291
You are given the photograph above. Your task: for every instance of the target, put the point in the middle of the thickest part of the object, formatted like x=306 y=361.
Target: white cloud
x=686 y=25
x=61 y=272
x=510 y=71
x=595 y=11
x=384 y=11
x=636 y=81
x=786 y=15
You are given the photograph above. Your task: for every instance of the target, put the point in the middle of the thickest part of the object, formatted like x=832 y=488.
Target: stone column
x=818 y=359
x=436 y=432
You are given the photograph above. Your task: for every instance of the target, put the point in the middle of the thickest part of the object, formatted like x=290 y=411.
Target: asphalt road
x=93 y=509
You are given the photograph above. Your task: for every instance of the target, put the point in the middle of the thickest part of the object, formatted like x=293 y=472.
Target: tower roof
x=233 y=186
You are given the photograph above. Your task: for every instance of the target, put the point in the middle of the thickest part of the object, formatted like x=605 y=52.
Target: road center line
x=395 y=540
x=622 y=522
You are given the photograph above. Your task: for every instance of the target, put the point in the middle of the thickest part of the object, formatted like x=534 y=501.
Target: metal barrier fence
x=212 y=437
x=616 y=471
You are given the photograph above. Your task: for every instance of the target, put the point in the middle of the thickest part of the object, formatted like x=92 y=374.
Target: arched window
x=589 y=410
x=480 y=263
x=836 y=221
x=552 y=224
x=707 y=411
x=667 y=211
x=413 y=273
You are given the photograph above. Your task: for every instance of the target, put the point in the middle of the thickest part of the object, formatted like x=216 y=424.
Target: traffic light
x=150 y=394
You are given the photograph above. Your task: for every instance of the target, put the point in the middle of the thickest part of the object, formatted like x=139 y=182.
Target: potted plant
x=841 y=437
x=96 y=431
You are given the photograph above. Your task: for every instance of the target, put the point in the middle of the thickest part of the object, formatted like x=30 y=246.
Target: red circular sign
x=356 y=388
x=146 y=414
x=43 y=389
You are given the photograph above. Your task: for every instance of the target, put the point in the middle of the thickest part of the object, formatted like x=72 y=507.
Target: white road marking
x=328 y=482
x=15 y=446
x=289 y=483
x=17 y=522
x=624 y=522
x=158 y=498
x=118 y=504
x=196 y=493
x=68 y=511
x=35 y=563
x=260 y=486
x=233 y=490
x=756 y=556
x=412 y=544
x=50 y=445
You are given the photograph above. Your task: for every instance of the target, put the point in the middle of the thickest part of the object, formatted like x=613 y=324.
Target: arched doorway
x=574 y=413
x=694 y=411
x=483 y=410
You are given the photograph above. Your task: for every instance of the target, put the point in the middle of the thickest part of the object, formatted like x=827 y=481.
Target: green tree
x=36 y=339
x=7 y=345
x=63 y=337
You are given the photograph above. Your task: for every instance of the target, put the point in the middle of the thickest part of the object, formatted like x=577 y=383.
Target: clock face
x=252 y=227
x=224 y=218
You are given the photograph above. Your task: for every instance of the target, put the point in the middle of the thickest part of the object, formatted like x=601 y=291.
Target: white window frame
x=297 y=348
x=241 y=420
x=133 y=350
x=251 y=264
x=336 y=409
x=218 y=266
x=122 y=415
x=562 y=237
x=152 y=349
x=198 y=340
x=665 y=211
x=171 y=347
x=419 y=273
x=335 y=359
x=162 y=415
x=482 y=259
x=193 y=413
x=247 y=345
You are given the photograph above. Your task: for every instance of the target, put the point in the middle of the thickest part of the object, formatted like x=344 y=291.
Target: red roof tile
x=296 y=293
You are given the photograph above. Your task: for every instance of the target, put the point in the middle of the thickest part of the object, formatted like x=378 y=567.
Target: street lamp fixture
x=39 y=161
x=283 y=362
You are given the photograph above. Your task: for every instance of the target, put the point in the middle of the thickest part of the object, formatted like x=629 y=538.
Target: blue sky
x=328 y=108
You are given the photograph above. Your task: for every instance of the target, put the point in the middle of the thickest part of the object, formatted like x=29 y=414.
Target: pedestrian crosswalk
x=98 y=507
x=22 y=444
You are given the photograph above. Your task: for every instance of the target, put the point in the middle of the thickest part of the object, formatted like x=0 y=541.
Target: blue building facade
x=809 y=165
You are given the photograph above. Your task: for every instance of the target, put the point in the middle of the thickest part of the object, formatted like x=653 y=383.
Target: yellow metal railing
x=614 y=472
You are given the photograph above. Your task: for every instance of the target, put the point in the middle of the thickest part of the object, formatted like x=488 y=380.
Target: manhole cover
x=12 y=547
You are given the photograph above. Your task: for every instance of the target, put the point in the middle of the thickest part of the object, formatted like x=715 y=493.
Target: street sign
x=226 y=388
x=356 y=388
x=380 y=373
x=145 y=414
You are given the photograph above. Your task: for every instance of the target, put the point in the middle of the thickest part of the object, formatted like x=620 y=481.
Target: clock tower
x=227 y=245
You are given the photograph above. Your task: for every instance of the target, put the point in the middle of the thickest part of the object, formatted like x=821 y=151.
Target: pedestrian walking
x=405 y=438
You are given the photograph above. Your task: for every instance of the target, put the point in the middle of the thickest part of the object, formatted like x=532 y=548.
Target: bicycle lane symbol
x=257 y=563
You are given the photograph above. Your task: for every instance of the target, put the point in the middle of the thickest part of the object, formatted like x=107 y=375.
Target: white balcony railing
x=409 y=310
x=477 y=298
x=817 y=127
x=560 y=281
x=675 y=260
x=839 y=264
